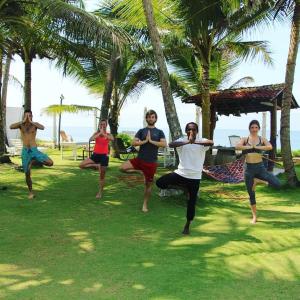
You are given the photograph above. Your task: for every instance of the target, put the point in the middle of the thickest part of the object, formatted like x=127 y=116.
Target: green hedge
x=127 y=139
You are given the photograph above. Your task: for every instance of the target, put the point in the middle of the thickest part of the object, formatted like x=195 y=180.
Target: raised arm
x=38 y=125
x=94 y=136
x=110 y=137
x=138 y=142
x=266 y=145
x=137 y=139
x=161 y=143
x=176 y=144
x=204 y=142
x=16 y=125
x=241 y=145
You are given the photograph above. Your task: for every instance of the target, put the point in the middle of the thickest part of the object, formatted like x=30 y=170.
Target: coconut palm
x=291 y=8
x=11 y=14
x=209 y=27
x=186 y=78
x=140 y=15
x=169 y=104
x=131 y=74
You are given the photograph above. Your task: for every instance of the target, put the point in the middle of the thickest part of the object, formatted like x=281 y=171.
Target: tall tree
x=293 y=7
x=170 y=108
x=4 y=88
x=211 y=26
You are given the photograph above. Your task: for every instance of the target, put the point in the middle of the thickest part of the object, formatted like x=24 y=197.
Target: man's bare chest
x=28 y=130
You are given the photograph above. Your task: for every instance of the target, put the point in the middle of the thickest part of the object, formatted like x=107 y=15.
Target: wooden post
x=54 y=131
x=273 y=133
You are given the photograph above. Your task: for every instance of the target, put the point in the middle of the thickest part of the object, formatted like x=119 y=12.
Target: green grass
x=68 y=245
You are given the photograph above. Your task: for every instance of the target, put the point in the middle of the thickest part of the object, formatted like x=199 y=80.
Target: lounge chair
x=15 y=147
x=65 y=138
x=67 y=141
x=125 y=152
x=234 y=139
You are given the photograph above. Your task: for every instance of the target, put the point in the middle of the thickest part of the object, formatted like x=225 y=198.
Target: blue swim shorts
x=32 y=153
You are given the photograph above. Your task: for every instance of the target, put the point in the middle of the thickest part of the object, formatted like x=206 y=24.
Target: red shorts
x=148 y=168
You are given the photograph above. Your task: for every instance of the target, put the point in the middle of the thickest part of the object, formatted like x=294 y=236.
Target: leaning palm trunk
x=287 y=99
x=169 y=104
x=108 y=87
x=3 y=158
x=206 y=104
x=4 y=91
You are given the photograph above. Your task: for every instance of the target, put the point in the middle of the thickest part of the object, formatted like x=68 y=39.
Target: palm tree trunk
x=4 y=90
x=114 y=125
x=3 y=158
x=169 y=104
x=108 y=89
x=287 y=99
x=206 y=119
x=27 y=80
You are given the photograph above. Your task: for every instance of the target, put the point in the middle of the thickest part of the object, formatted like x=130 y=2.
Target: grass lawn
x=66 y=244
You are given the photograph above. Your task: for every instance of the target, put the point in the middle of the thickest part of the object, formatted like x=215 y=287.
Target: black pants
x=192 y=185
x=259 y=171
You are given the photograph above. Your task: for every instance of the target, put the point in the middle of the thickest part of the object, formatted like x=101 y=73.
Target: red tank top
x=101 y=145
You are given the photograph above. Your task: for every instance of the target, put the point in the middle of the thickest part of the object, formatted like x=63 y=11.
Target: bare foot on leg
x=31 y=195
x=254 y=217
x=145 y=208
x=254 y=220
x=99 y=195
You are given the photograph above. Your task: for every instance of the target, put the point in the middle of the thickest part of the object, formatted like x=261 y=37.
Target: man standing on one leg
x=149 y=139
x=191 y=153
x=30 y=152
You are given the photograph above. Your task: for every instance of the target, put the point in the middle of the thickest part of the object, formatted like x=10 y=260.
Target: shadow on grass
x=67 y=244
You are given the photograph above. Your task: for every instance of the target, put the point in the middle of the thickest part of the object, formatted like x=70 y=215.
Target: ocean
x=82 y=134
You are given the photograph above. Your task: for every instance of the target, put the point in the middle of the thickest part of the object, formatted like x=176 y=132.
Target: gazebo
x=266 y=98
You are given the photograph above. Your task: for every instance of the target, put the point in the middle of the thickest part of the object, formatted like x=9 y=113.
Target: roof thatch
x=244 y=100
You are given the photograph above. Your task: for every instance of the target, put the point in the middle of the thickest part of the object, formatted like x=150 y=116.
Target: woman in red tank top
x=99 y=159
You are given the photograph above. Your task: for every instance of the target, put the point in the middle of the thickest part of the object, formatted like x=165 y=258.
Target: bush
x=127 y=139
x=295 y=153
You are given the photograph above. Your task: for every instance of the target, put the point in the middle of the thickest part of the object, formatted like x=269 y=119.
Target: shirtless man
x=30 y=152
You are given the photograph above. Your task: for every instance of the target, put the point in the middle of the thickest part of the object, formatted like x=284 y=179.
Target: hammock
x=228 y=173
x=231 y=172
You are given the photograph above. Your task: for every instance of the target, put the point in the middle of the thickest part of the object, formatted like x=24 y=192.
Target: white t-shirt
x=191 y=159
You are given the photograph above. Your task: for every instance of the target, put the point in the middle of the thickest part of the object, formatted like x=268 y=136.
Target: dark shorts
x=148 y=168
x=101 y=159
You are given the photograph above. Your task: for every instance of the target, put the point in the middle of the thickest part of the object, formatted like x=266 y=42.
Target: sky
x=48 y=84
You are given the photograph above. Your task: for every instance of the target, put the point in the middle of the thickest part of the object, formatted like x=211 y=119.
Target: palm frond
x=72 y=108
x=242 y=82
x=250 y=50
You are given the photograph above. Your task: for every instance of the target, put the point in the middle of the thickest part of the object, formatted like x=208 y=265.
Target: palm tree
x=292 y=7
x=186 y=80
x=6 y=78
x=57 y=27
x=11 y=14
x=188 y=77
x=141 y=21
x=210 y=27
x=131 y=76
x=170 y=108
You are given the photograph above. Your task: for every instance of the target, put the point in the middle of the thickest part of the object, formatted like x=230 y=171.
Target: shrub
x=295 y=153
x=127 y=139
